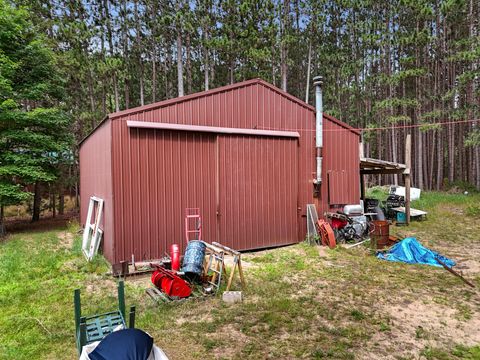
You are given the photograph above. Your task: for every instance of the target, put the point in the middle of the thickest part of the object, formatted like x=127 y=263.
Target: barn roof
x=251 y=82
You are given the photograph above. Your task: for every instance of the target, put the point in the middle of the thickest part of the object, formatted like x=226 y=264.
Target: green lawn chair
x=89 y=329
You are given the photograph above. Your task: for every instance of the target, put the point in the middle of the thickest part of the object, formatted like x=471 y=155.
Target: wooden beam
x=370 y=162
x=408 y=162
x=209 y=129
x=381 y=171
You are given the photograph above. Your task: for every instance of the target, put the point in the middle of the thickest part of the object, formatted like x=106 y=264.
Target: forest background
x=391 y=68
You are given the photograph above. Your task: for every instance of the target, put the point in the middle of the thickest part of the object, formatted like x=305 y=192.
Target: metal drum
x=193 y=258
x=379 y=233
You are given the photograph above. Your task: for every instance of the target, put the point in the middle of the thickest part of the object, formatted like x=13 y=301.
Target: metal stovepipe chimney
x=317 y=82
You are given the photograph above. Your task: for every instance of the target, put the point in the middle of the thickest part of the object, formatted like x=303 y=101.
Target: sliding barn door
x=257 y=191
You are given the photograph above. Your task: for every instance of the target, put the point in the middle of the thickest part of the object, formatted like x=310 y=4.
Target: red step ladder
x=193 y=224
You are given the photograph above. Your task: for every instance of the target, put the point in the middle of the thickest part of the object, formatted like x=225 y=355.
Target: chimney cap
x=318 y=80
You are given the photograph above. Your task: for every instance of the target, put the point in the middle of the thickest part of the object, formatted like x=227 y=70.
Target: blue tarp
x=410 y=251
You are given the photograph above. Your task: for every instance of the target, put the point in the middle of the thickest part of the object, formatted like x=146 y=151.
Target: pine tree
x=34 y=139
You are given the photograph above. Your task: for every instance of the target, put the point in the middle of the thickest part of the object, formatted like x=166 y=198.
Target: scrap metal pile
x=202 y=273
x=355 y=224
x=352 y=225
x=203 y=267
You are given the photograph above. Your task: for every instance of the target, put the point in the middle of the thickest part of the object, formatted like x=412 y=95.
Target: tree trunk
x=167 y=65
x=309 y=62
x=154 y=74
x=432 y=160
x=284 y=27
x=477 y=165
x=61 y=201
x=206 y=60
x=440 y=161
x=126 y=87
x=179 y=64
x=127 y=93
x=112 y=53
x=232 y=69
x=53 y=202
x=142 y=97
x=37 y=201
x=91 y=95
x=188 y=63
x=139 y=51
x=115 y=90
x=2 y=222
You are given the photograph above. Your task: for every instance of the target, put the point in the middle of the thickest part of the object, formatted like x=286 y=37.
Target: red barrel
x=175 y=255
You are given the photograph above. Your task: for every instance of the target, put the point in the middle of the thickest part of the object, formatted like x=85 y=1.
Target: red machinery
x=170 y=283
x=175 y=256
x=326 y=233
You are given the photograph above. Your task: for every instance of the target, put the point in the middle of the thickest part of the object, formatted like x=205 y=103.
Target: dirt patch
x=139 y=281
x=71 y=265
x=228 y=260
x=100 y=288
x=66 y=239
x=322 y=251
x=420 y=323
x=44 y=224
x=194 y=318
x=468 y=266
x=236 y=337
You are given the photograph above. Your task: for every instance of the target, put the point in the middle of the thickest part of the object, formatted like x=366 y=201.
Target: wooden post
x=362 y=186
x=407 y=174
x=362 y=179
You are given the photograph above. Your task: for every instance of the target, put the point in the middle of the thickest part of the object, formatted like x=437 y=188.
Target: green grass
x=299 y=303
x=36 y=294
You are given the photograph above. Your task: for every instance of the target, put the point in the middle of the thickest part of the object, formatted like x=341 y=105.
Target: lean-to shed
x=244 y=154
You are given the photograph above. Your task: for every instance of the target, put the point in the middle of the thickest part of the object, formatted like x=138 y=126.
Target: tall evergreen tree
x=34 y=137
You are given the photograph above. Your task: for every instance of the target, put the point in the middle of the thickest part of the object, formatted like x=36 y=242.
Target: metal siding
x=341 y=158
x=96 y=180
x=170 y=172
x=258 y=198
x=147 y=231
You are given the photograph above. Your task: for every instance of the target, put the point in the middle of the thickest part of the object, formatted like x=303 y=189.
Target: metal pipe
x=317 y=82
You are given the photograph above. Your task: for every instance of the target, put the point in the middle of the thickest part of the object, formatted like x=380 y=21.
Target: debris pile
x=203 y=269
x=353 y=225
x=393 y=207
x=203 y=272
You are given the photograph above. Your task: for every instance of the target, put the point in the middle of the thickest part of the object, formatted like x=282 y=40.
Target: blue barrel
x=193 y=258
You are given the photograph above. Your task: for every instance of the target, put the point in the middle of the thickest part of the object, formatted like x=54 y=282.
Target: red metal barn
x=244 y=154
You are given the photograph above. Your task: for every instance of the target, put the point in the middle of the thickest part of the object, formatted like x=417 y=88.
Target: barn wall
x=158 y=175
x=251 y=105
x=341 y=158
x=96 y=180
